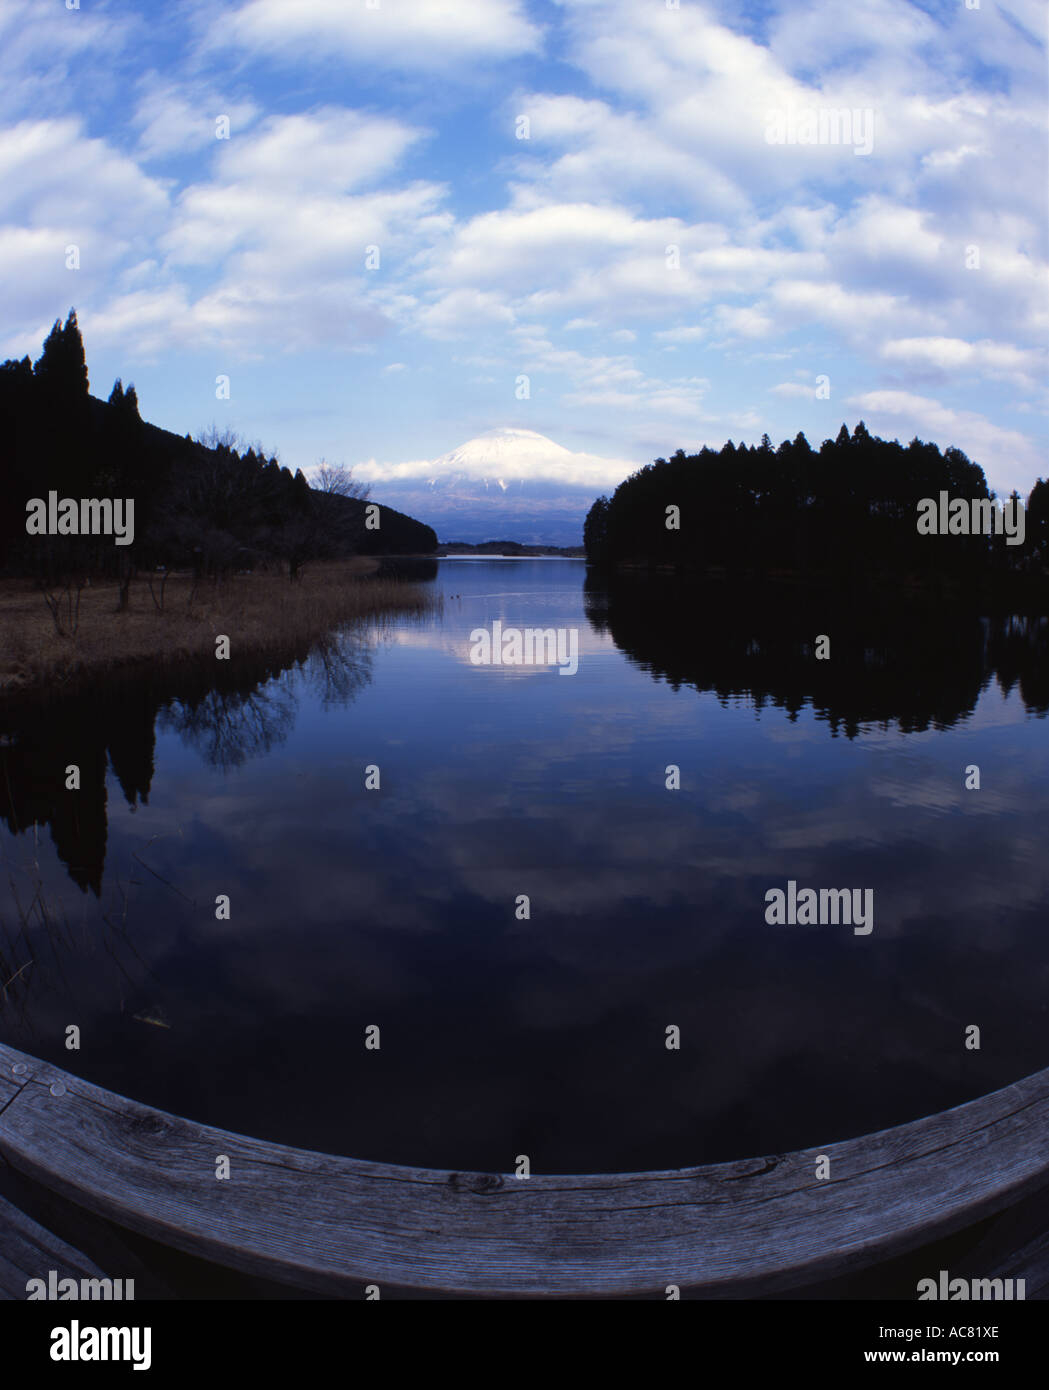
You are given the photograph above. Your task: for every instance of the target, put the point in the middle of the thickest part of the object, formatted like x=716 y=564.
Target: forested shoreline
x=214 y=505
x=846 y=511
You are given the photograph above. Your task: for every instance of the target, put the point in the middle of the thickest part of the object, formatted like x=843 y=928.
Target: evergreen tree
x=76 y=358
x=1037 y=522
x=48 y=364
x=595 y=531
x=62 y=366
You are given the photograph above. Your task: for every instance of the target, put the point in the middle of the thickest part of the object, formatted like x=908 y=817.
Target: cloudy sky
x=590 y=194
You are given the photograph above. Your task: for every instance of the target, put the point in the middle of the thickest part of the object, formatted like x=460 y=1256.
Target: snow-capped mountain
x=507 y=484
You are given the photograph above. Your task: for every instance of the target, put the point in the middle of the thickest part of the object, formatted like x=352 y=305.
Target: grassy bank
x=86 y=636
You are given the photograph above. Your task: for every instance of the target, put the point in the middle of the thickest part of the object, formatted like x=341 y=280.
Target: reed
x=259 y=613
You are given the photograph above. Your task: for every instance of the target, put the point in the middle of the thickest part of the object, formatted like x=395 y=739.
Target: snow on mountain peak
x=505 y=459
x=506 y=453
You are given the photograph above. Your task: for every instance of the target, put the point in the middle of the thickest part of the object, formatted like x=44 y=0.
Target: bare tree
x=64 y=606
x=233 y=442
x=337 y=480
x=214 y=438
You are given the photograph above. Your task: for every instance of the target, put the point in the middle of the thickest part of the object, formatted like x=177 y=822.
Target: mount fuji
x=506 y=484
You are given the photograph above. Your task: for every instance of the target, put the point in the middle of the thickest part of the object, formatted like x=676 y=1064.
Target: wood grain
x=1015 y=1247
x=333 y=1224
x=29 y=1251
x=9 y=1086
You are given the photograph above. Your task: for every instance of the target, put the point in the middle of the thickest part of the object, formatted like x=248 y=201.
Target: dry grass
x=259 y=613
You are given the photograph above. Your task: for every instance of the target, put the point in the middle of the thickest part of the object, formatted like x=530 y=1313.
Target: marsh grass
x=41 y=939
x=27 y=919
x=259 y=613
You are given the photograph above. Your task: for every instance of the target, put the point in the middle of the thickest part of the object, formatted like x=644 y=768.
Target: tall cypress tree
x=62 y=366
x=76 y=359
x=48 y=366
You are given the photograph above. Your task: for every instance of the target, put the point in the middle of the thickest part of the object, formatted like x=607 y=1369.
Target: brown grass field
x=257 y=612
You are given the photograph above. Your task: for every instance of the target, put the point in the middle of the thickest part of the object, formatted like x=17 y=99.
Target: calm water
x=396 y=907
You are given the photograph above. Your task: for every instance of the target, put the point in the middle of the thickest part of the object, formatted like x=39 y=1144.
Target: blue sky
x=395 y=124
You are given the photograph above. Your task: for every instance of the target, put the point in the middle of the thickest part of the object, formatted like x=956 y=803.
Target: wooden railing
x=333 y=1225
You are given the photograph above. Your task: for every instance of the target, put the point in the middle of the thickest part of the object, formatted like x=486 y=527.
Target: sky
x=586 y=218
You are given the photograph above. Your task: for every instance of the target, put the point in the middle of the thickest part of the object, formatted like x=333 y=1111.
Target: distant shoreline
x=499 y=555
x=507 y=550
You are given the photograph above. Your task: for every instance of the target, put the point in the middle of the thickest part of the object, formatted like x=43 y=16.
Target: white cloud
x=177 y=119
x=1008 y=457
x=43 y=48
x=520 y=249
x=878 y=230
x=743 y=322
x=689 y=334
x=62 y=188
x=683 y=104
x=262 y=249
x=274 y=239
x=284 y=226
x=795 y=388
x=856 y=313
x=331 y=150
x=423 y=34
x=460 y=312
x=154 y=320
x=53 y=174
x=997 y=361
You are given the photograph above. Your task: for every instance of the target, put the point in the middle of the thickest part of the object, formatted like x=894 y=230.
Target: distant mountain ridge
x=513 y=548
x=507 y=482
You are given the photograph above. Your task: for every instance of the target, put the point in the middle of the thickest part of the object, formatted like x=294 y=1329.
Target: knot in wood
x=148 y=1126
x=475 y=1182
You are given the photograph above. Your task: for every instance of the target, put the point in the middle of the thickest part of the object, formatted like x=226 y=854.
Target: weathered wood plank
x=111 y=1247
x=1015 y=1247
x=1029 y=1261
x=9 y=1086
x=332 y=1224
x=29 y=1251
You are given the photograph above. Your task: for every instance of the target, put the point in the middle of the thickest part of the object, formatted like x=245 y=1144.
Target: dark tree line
x=212 y=505
x=848 y=509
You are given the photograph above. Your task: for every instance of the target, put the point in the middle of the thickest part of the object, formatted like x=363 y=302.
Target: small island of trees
x=846 y=511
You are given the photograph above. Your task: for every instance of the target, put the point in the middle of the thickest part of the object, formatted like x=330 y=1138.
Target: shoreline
x=259 y=613
x=999 y=592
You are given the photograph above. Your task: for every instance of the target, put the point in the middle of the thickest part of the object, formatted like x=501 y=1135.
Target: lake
x=398 y=906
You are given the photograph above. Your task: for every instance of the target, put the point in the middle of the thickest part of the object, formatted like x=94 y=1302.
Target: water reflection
x=911 y=665
x=229 y=712
x=546 y=1036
